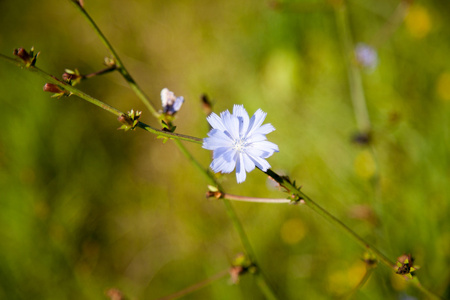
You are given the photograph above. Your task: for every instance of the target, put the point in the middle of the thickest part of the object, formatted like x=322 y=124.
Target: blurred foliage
x=85 y=208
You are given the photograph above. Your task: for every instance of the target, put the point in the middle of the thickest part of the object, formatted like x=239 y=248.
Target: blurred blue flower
x=366 y=56
x=170 y=103
x=239 y=142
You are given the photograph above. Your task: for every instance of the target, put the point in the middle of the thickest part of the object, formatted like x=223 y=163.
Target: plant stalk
x=120 y=66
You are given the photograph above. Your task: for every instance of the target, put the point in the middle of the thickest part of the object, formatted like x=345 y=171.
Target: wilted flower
x=405 y=266
x=239 y=142
x=170 y=103
x=366 y=56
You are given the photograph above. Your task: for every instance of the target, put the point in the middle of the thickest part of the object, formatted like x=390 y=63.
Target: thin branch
x=354 y=76
x=74 y=91
x=293 y=190
x=254 y=199
x=195 y=287
x=120 y=66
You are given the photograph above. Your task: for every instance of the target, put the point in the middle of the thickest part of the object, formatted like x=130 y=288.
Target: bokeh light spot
x=365 y=165
x=443 y=86
x=293 y=231
x=418 y=21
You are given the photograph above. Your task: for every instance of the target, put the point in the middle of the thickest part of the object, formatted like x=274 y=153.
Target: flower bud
x=72 y=76
x=206 y=104
x=57 y=91
x=170 y=103
x=52 y=88
x=28 y=58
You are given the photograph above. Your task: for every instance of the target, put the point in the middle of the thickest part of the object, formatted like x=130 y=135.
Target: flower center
x=239 y=145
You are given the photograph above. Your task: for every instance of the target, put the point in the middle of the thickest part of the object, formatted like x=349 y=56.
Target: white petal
x=221 y=165
x=261 y=163
x=264 y=129
x=217 y=139
x=178 y=102
x=240 y=170
x=256 y=138
x=166 y=97
x=221 y=151
x=219 y=134
x=215 y=121
x=240 y=112
x=231 y=123
x=256 y=121
x=230 y=154
x=266 y=146
x=248 y=163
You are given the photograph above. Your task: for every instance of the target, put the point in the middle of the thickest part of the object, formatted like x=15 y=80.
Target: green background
x=85 y=207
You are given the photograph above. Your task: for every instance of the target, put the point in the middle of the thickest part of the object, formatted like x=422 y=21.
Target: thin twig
x=291 y=189
x=74 y=91
x=254 y=199
x=195 y=287
x=120 y=66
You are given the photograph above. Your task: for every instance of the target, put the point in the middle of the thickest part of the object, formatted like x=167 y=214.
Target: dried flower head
x=405 y=266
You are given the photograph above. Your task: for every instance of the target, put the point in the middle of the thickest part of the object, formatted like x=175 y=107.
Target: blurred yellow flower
x=443 y=86
x=418 y=21
x=365 y=165
x=342 y=280
x=293 y=231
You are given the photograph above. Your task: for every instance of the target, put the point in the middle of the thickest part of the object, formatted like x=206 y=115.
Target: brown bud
x=69 y=77
x=235 y=271
x=124 y=119
x=28 y=58
x=22 y=54
x=206 y=104
x=216 y=195
x=114 y=294
x=52 y=88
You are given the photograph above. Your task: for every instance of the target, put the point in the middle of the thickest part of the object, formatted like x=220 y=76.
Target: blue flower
x=239 y=142
x=366 y=56
x=170 y=103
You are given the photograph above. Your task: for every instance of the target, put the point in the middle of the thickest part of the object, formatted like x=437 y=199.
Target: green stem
x=254 y=199
x=120 y=66
x=357 y=90
x=264 y=287
x=335 y=221
x=228 y=207
x=171 y=135
x=101 y=72
x=354 y=76
x=63 y=85
x=293 y=190
x=74 y=91
x=361 y=283
x=329 y=217
x=391 y=24
x=261 y=281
